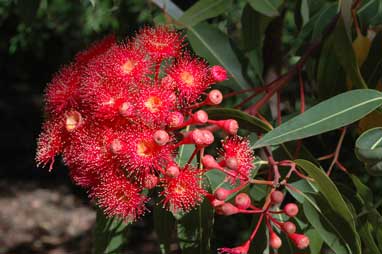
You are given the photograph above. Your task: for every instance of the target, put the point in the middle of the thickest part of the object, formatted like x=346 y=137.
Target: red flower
x=183 y=192
x=123 y=62
x=50 y=142
x=160 y=42
x=62 y=92
x=237 y=149
x=190 y=77
x=155 y=104
x=119 y=197
x=141 y=154
x=98 y=48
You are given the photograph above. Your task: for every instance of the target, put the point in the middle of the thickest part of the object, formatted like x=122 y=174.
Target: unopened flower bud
x=161 y=137
x=242 y=201
x=231 y=163
x=209 y=162
x=208 y=137
x=299 y=240
x=291 y=209
x=222 y=194
x=115 y=146
x=274 y=240
x=126 y=109
x=150 y=181
x=289 y=227
x=175 y=119
x=200 y=117
x=216 y=202
x=215 y=97
x=218 y=73
x=73 y=120
x=277 y=197
x=172 y=171
x=230 y=126
x=227 y=209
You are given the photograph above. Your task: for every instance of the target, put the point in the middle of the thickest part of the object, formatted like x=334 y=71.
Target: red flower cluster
x=114 y=115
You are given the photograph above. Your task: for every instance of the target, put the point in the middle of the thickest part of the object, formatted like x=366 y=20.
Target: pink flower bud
x=115 y=146
x=299 y=240
x=208 y=137
x=209 y=162
x=200 y=117
x=227 y=209
x=230 y=126
x=215 y=97
x=277 y=197
x=218 y=73
x=222 y=194
x=175 y=119
x=289 y=227
x=161 y=137
x=73 y=120
x=242 y=201
x=126 y=109
x=291 y=209
x=172 y=171
x=274 y=241
x=150 y=181
x=231 y=163
x=216 y=202
x=243 y=249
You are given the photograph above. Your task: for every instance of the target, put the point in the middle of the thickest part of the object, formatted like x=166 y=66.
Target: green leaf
x=332 y=228
x=331 y=194
x=331 y=78
x=316 y=241
x=254 y=25
x=203 y=10
x=346 y=56
x=195 y=228
x=304 y=12
x=109 y=234
x=372 y=67
x=368 y=149
x=266 y=7
x=345 y=6
x=245 y=120
x=365 y=231
x=328 y=115
x=211 y=43
x=164 y=225
x=169 y=7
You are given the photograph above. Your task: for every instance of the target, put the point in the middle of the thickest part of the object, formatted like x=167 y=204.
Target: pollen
x=73 y=120
x=128 y=66
x=187 y=78
x=153 y=104
x=145 y=148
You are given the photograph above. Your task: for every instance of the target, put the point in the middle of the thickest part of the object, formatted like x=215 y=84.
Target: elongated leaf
x=213 y=44
x=169 y=7
x=367 y=236
x=109 y=234
x=328 y=115
x=368 y=149
x=331 y=194
x=346 y=56
x=194 y=230
x=245 y=120
x=266 y=7
x=203 y=10
x=336 y=234
x=165 y=225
